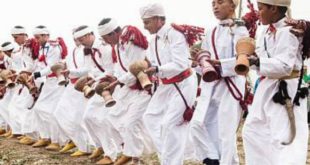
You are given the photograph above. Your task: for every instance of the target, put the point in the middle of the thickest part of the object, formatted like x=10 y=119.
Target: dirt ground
x=12 y=153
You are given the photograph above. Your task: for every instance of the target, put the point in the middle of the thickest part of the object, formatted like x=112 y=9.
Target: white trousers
x=69 y=113
x=18 y=108
x=164 y=120
x=215 y=138
x=45 y=106
x=267 y=126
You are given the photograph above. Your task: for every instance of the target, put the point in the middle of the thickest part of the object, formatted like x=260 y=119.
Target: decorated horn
x=58 y=69
x=106 y=94
x=137 y=69
x=244 y=47
x=209 y=73
x=83 y=85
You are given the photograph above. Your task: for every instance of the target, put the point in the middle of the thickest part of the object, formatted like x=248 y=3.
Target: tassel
x=64 y=49
x=251 y=19
x=282 y=94
x=34 y=47
x=191 y=33
x=134 y=35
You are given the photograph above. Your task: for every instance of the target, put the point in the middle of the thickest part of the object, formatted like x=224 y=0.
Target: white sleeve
x=284 y=58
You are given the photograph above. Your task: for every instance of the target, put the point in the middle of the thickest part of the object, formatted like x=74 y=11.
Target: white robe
x=71 y=107
x=21 y=99
x=4 y=102
x=104 y=59
x=164 y=115
x=126 y=115
x=267 y=124
x=218 y=113
x=50 y=94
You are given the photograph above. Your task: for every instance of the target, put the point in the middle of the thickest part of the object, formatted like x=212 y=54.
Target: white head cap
x=108 y=27
x=40 y=30
x=285 y=3
x=7 y=47
x=18 y=30
x=82 y=32
x=151 y=10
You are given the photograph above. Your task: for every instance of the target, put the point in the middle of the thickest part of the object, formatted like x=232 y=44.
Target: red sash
x=178 y=78
x=189 y=111
x=73 y=80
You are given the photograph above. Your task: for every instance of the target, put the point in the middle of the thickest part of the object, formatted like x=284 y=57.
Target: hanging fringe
x=191 y=33
x=64 y=49
x=302 y=92
x=34 y=47
x=251 y=18
x=134 y=35
x=282 y=94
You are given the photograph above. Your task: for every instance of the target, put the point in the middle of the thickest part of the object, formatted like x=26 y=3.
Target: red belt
x=51 y=75
x=178 y=78
x=73 y=80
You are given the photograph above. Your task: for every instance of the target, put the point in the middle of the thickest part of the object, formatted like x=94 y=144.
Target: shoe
x=96 y=153
x=79 y=153
x=2 y=131
x=13 y=136
x=7 y=134
x=41 y=143
x=53 y=147
x=67 y=147
x=20 y=137
x=123 y=160
x=26 y=140
x=208 y=161
x=105 y=161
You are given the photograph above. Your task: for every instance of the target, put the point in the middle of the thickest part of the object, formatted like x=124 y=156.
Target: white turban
x=38 y=31
x=16 y=30
x=8 y=47
x=107 y=28
x=82 y=32
x=285 y=3
x=151 y=10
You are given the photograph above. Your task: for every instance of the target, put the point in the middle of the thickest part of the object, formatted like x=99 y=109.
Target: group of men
x=128 y=117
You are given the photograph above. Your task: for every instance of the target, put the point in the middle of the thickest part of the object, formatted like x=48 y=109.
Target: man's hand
x=254 y=60
x=214 y=62
x=66 y=72
x=151 y=70
x=298 y=26
x=112 y=85
x=110 y=78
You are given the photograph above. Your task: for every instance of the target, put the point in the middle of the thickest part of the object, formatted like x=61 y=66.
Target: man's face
x=152 y=24
x=265 y=13
x=223 y=9
x=20 y=38
x=84 y=40
x=41 y=38
x=110 y=38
